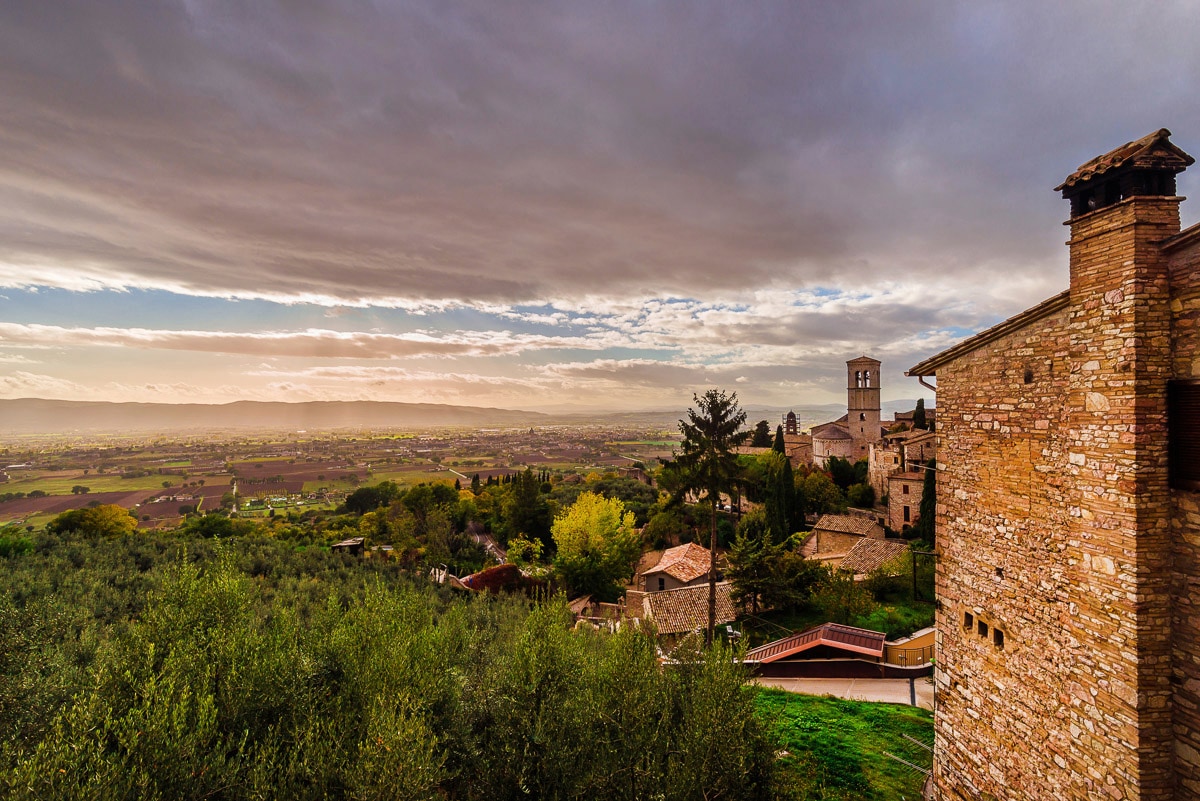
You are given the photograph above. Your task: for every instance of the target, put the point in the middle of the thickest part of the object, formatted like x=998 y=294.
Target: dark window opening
x=662 y=583
x=998 y=638
x=862 y=415
x=1183 y=427
x=904 y=489
x=999 y=572
x=907 y=514
x=968 y=621
x=1028 y=376
x=983 y=630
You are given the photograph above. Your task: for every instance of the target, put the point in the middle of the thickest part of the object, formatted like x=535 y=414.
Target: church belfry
x=862 y=401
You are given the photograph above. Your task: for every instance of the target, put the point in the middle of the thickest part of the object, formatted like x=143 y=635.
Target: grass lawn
x=836 y=747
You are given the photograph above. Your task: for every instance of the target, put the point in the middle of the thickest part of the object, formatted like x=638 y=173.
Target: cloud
x=315 y=343
x=570 y=197
x=425 y=154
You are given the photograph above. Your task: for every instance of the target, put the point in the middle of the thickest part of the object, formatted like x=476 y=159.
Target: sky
x=566 y=206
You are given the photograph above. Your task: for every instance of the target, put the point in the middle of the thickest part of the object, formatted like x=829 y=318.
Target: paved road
x=892 y=691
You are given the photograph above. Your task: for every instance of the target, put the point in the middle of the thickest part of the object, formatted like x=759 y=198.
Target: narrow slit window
x=968 y=621
x=998 y=638
x=1183 y=426
x=983 y=630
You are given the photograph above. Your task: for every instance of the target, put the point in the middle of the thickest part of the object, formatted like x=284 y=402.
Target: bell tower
x=862 y=403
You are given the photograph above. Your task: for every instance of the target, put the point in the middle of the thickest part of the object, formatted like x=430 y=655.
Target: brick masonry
x=1057 y=527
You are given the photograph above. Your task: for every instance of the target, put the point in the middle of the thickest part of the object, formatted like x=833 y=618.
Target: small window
x=999 y=572
x=1028 y=376
x=903 y=489
x=907 y=514
x=662 y=583
x=968 y=621
x=862 y=416
x=998 y=638
x=983 y=630
x=1183 y=427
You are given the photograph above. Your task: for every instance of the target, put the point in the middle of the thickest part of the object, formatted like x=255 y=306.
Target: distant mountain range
x=41 y=416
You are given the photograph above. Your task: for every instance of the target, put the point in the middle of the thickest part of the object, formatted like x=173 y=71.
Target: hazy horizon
x=597 y=206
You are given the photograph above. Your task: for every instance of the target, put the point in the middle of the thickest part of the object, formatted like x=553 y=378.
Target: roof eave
x=1014 y=323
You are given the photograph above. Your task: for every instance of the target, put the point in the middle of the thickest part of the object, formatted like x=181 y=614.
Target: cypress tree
x=778 y=446
x=919 y=420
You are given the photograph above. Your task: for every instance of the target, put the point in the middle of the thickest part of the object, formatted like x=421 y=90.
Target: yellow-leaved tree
x=597 y=545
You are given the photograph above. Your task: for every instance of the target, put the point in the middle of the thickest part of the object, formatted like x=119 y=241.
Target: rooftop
x=683 y=562
x=847 y=524
x=869 y=555
x=1153 y=150
x=846 y=638
x=686 y=609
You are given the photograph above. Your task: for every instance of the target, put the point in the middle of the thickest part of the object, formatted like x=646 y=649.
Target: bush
x=327 y=677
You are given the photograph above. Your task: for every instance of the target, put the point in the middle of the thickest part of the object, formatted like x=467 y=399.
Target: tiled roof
x=847 y=524
x=683 y=562
x=869 y=555
x=686 y=609
x=846 y=638
x=831 y=431
x=1152 y=150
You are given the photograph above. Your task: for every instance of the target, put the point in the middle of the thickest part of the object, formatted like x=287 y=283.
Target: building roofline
x=1185 y=237
x=1014 y=323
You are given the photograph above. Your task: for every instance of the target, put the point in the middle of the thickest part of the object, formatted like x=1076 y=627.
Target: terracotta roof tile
x=869 y=555
x=847 y=524
x=1155 y=149
x=686 y=609
x=683 y=562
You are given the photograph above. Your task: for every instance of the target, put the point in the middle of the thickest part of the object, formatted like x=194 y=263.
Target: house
x=904 y=498
x=681 y=566
x=1068 y=521
x=870 y=555
x=683 y=610
x=834 y=535
x=353 y=546
x=833 y=650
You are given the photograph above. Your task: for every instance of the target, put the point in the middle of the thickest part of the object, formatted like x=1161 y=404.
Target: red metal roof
x=846 y=638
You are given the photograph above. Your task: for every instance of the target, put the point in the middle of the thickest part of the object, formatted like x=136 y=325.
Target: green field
x=95 y=482
x=836 y=748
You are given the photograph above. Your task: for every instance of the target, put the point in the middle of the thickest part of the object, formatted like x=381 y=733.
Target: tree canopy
x=597 y=545
x=762 y=434
x=709 y=466
x=105 y=520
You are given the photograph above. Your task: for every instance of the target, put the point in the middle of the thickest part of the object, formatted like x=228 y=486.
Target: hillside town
x=460 y=401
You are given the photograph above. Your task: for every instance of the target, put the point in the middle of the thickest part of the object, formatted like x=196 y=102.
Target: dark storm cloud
x=504 y=153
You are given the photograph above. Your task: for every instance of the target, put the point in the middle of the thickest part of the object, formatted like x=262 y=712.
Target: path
x=891 y=691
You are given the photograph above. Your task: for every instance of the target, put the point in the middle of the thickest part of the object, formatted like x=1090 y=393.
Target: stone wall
x=899 y=499
x=1184 y=266
x=1002 y=542
x=1054 y=531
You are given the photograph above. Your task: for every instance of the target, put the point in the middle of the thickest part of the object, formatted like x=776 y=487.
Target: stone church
x=1068 y=520
x=851 y=435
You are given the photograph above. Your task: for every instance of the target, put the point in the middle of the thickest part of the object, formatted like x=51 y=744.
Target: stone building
x=904 y=498
x=1068 y=521
x=850 y=436
x=900 y=451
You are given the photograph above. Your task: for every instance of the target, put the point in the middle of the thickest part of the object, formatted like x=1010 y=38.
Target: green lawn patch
x=835 y=748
